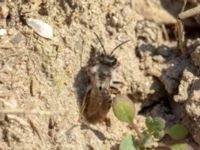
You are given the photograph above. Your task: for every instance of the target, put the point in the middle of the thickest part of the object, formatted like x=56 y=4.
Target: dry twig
x=35 y=128
x=33 y=112
x=180 y=35
x=22 y=122
x=8 y=46
x=189 y=13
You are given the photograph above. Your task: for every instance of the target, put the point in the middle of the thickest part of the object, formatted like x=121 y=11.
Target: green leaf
x=155 y=126
x=159 y=123
x=181 y=146
x=124 y=109
x=149 y=123
x=128 y=143
x=159 y=134
x=177 y=132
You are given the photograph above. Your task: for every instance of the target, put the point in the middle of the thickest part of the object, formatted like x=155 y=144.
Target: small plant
x=124 y=110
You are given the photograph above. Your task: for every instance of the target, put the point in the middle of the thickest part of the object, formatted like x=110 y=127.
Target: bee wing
x=84 y=103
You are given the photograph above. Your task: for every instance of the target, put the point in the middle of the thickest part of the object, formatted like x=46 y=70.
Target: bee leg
x=115 y=90
x=115 y=86
x=84 y=103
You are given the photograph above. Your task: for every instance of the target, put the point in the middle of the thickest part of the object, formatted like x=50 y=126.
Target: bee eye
x=114 y=62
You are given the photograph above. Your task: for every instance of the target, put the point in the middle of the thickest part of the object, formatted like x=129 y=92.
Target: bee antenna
x=104 y=50
x=118 y=47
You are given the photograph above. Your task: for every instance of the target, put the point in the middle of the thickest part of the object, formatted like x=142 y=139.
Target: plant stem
x=134 y=126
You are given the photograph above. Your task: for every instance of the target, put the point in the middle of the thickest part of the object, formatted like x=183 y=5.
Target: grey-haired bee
x=101 y=71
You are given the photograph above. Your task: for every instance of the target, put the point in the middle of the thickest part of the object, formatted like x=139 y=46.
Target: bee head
x=108 y=60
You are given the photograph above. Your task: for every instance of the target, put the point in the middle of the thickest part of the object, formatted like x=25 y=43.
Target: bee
x=101 y=69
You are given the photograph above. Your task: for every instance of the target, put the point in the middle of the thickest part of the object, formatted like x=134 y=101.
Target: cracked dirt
x=41 y=83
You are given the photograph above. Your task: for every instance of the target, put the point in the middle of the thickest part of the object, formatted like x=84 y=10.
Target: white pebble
x=3 y=32
x=40 y=28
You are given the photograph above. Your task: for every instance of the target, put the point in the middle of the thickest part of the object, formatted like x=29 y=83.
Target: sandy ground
x=41 y=81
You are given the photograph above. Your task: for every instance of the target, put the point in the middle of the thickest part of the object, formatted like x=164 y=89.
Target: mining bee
x=100 y=69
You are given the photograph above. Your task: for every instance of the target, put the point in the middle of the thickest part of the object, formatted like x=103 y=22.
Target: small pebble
x=41 y=28
x=3 y=32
